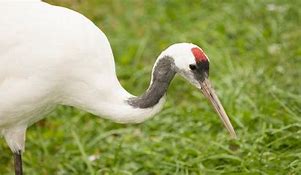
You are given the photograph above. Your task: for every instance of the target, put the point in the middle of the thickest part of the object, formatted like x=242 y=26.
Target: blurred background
x=255 y=54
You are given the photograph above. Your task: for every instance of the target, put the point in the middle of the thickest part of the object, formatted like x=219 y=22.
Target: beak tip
x=234 y=136
x=208 y=91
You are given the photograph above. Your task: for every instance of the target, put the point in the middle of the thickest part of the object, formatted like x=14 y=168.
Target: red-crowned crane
x=51 y=55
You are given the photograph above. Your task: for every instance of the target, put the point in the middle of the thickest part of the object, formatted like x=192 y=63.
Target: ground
x=255 y=54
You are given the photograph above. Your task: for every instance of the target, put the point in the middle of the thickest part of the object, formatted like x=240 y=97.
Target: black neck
x=162 y=75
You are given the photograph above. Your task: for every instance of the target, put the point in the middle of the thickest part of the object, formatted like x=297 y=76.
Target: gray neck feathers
x=163 y=73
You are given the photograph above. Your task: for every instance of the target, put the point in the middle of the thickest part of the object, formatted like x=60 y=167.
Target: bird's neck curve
x=115 y=103
x=136 y=109
x=162 y=74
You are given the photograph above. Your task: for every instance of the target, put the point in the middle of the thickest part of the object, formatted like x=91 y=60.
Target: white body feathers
x=52 y=55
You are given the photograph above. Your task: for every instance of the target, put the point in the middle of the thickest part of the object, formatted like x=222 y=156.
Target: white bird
x=51 y=56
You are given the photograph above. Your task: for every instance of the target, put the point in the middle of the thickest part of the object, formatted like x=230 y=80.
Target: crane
x=51 y=56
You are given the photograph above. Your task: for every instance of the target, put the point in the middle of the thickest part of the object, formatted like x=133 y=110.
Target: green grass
x=255 y=52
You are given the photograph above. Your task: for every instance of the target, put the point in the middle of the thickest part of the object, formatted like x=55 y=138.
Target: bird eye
x=192 y=66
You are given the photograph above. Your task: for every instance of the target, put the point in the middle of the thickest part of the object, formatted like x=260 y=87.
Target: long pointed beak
x=208 y=91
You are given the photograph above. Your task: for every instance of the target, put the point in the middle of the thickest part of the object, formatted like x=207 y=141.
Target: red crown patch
x=199 y=55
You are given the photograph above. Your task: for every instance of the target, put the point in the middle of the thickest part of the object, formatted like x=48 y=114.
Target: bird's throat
x=163 y=73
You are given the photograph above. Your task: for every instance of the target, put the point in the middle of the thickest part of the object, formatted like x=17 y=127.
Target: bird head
x=192 y=64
